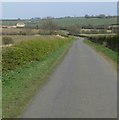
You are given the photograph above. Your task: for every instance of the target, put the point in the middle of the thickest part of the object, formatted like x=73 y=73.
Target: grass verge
x=22 y=83
x=114 y=56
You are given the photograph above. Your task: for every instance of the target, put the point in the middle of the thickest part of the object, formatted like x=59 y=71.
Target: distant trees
x=98 y=16
x=87 y=16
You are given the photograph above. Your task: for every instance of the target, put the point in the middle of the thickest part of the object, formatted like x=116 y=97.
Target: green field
x=67 y=21
x=86 y=21
x=26 y=65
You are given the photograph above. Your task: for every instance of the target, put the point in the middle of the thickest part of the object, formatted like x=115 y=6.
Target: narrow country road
x=84 y=85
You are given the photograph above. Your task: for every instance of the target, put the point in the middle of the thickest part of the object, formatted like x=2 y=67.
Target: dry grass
x=19 y=38
x=93 y=35
x=18 y=30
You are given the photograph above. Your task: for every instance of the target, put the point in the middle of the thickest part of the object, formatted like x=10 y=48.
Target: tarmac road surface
x=84 y=85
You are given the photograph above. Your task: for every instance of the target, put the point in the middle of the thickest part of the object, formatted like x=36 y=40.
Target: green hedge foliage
x=7 y=40
x=112 y=42
x=28 y=51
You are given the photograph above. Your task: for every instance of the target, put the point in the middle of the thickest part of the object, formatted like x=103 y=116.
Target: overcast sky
x=56 y=9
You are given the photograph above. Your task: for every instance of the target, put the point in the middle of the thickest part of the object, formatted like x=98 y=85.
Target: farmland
x=65 y=22
x=86 y=21
x=74 y=25
x=19 y=31
x=35 y=50
x=59 y=60
x=19 y=38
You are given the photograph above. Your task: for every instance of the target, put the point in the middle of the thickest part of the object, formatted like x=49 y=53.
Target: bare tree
x=49 y=25
x=74 y=29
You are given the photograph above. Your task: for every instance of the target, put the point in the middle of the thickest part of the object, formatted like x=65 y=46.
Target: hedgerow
x=7 y=40
x=28 y=51
x=112 y=42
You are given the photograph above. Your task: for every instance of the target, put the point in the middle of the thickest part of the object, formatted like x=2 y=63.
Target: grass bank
x=21 y=83
x=106 y=51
